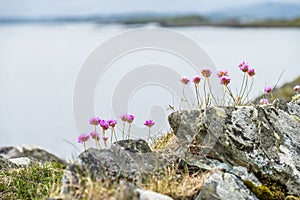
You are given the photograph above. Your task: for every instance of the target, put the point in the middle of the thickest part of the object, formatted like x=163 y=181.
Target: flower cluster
x=109 y=124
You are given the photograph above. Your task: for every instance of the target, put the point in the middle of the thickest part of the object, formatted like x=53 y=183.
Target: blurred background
x=44 y=43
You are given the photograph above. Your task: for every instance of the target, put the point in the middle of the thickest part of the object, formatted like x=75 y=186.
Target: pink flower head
x=149 y=123
x=82 y=138
x=244 y=68
x=251 y=72
x=104 y=124
x=296 y=88
x=94 y=121
x=264 y=101
x=105 y=138
x=225 y=80
x=242 y=64
x=124 y=117
x=112 y=122
x=222 y=73
x=196 y=79
x=206 y=73
x=185 y=80
x=268 y=89
x=130 y=118
x=95 y=135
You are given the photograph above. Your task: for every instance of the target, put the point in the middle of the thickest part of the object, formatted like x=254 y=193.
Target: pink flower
x=296 y=88
x=251 y=72
x=104 y=124
x=105 y=138
x=268 y=89
x=244 y=66
x=222 y=73
x=185 y=80
x=130 y=118
x=196 y=79
x=112 y=122
x=149 y=123
x=94 y=121
x=264 y=101
x=206 y=73
x=124 y=117
x=225 y=80
x=83 y=138
x=95 y=135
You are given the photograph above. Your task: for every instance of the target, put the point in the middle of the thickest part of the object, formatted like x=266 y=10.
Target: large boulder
x=263 y=139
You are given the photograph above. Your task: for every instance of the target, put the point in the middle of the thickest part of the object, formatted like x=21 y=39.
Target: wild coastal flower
x=124 y=117
x=268 y=89
x=83 y=138
x=264 y=101
x=124 y=120
x=222 y=73
x=225 y=80
x=112 y=123
x=105 y=138
x=296 y=88
x=196 y=79
x=185 y=80
x=94 y=121
x=94 y=135
x=251 y=72
x=206 y=73
x=244 y=67
x=149 y=123
x=104 y=124
x=130 y=118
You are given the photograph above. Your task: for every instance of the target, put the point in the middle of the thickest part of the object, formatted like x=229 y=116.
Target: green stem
x=149 y=134
x=129 y=131
x=231 y=95
x=123 y=130
x=247 y=95
x=181 y=99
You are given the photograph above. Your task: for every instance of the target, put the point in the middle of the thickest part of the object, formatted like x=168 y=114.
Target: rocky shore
x=228 y=153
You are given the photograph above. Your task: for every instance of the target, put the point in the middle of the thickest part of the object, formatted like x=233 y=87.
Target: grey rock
x=35 y=154
x=224 y=186
x=263 y=139
x=121 y=161
x=5 y=164
x=21 y=161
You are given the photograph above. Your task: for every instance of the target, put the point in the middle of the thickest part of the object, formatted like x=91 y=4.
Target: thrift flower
x=112 y=123
x=264 y=101
x=196 y=79
x=83 y=138
x=149 y=123
x=206 y=73
x=268 y=89
x=222 y=73
x=243 y=66
x=251 y=72
x=105 y=138
x=185 y=80
x=225 y=80
x=104 y=124
x=130 y=118
x=94 y=135
x=94 y=121
x=296 y=88
x=124 y=117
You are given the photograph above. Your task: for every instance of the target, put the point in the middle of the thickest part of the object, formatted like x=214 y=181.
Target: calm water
x=39 y=65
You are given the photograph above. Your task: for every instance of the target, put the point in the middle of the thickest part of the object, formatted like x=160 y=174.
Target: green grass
x=35 y=181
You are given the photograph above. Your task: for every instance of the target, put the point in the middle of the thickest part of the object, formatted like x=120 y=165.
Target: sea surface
x=39 y=65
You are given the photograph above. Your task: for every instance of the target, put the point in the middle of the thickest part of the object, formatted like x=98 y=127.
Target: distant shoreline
x=161 y=21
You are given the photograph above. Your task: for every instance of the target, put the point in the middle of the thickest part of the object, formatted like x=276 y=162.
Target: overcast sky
x=86 y=7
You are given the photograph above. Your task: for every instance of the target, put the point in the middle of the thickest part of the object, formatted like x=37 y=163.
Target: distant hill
x=260 y=11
